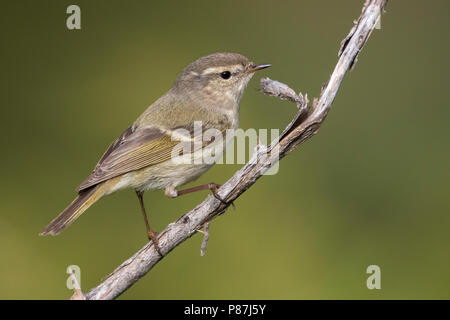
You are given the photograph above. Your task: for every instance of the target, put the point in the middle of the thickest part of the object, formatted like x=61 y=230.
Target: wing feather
x=133 y=150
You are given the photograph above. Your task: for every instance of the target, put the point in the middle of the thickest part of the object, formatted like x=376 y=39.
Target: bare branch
x=304 y=125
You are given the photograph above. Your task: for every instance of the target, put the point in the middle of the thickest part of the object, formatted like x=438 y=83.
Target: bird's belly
x=161 y=175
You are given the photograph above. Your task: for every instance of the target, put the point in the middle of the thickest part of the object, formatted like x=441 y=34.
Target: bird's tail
x=84 y=200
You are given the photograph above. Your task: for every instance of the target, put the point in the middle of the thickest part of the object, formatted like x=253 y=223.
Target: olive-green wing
x=133 y=150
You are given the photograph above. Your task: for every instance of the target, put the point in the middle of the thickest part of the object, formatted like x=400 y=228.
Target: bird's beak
x=256 y=67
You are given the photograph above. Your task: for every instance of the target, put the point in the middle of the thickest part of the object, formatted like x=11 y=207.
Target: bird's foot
x=153 y=237
x=214 y=187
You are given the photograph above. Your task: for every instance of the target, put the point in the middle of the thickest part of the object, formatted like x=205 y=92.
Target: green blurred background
x=371 y=188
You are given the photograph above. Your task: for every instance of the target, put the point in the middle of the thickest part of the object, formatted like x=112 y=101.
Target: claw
x=214 y=187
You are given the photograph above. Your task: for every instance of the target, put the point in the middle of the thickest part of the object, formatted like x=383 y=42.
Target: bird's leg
x=171 y=192
x=152 y=236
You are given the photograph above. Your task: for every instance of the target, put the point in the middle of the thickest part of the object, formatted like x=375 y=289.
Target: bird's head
x=218 y=75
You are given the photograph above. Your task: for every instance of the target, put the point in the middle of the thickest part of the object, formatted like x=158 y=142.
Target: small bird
x=208 y=90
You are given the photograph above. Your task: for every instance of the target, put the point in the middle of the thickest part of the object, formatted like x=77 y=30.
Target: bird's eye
x=225 y=75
